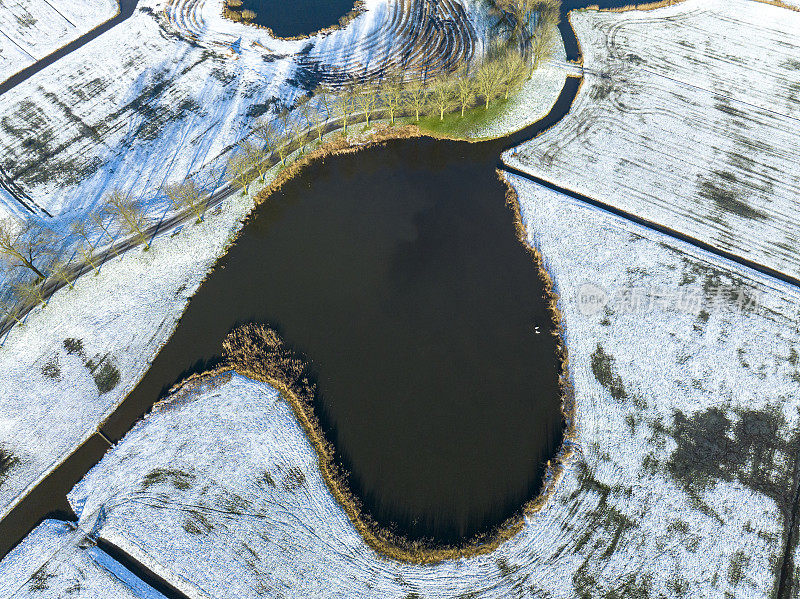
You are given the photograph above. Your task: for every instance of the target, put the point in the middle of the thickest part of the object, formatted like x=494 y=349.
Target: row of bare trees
x=33 y=253
x=32 y=249
x=362 y=102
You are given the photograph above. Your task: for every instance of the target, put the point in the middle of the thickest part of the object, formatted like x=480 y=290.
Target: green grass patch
x=454 y=125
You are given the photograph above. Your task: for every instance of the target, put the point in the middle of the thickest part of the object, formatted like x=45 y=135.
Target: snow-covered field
x=32 y=29
x=162 y=95
x=688 y=422
x=688 y=117
x=54 y=391
x=53 y=561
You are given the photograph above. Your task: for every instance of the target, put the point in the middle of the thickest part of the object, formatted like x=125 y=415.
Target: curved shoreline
x=126 y=414
x=124 y=417
x=255 y=351
x=359 y=7
x=258 y=353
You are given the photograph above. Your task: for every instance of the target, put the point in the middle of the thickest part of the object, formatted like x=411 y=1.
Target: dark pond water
x=494 y=440
x=289 y=18
x=398 y=274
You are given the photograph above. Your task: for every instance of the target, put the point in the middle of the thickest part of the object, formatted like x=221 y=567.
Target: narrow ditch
x=654 y=226
x=48 y=499
x=139 y=570
x=786 y=580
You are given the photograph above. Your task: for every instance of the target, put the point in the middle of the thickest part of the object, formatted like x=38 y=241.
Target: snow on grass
x=28 y=557
x=688 y=428
x=12 y=58
x=524 y=107
x=162 y=95
x=56 y=561
x=76 y=359
x=32 y=29
x=688 y=117
x=534 y=100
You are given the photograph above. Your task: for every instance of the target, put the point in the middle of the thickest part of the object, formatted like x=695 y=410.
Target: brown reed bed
x=780 y=4
x=258 y=352
x=643 y=6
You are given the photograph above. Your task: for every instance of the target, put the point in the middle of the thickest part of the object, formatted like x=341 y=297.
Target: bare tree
x=239 y=169
x=488 y=81
x=189 y=195
x=257 y=155
x=342 y=106
x=103 y=221
x=323 y=98
x=417 y=97
x=319 y=120
x=89 y=257
x=25 y=245
x=129 y=214
x=264 y=130
x=83 y=231
x=465 y=89
x=513 y=72
x=442 y=95
x=85 y=243
x=284 y=148
x=11 y=310
x=261 y=156
x=392 y=96
x=542 y=45
x=60 y=271
x=366 y=97
x=30 y=292
x=521 y=13
x=306 y=118
x=286 y=119
x=548 y=11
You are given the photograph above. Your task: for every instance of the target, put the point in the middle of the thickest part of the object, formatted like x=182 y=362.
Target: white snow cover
x=32 y=29
x=54 y=561
x=536 y=97
x=682 y=448
x=128 y=311
x=162 y=95
x=688 y=117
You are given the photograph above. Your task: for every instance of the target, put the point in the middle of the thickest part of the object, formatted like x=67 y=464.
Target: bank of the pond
x=290 y=21
x=139 y=402
x=259 y=353
x=398 y=273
